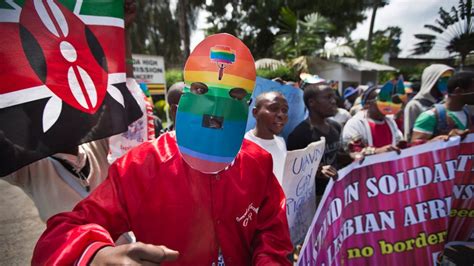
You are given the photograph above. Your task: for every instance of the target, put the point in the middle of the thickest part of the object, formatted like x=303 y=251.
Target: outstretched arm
x=94 y=223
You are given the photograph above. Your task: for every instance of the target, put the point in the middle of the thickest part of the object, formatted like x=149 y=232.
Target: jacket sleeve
x=95 y=222
x=272 y=243
x=410 y=114
x=352 y=132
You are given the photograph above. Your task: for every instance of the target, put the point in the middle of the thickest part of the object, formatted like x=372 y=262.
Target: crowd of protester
x=356 y=124
x=438 y=111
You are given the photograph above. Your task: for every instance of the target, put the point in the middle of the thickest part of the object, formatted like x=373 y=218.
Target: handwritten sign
x=299 y=186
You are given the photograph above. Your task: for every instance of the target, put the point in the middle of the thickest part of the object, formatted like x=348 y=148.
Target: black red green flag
x=62 y=77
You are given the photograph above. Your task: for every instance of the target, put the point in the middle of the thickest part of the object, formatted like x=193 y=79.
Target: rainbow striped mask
x=391 y=97
x=212 y=113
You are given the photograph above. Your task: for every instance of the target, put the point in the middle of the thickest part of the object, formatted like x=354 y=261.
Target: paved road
x=20 y=226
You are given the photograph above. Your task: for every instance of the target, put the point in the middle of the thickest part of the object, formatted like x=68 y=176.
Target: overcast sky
x=409 y=15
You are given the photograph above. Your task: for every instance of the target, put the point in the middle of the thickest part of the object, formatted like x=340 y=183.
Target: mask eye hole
x=237 y=93
x=396 y=99
x=199 y=88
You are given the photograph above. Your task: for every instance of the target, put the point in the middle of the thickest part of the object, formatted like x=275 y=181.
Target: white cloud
x=410 y=16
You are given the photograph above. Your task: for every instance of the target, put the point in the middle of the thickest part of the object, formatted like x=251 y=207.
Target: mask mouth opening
x=211 y=121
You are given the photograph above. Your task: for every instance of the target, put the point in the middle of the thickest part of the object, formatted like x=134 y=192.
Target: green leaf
x=434 y=28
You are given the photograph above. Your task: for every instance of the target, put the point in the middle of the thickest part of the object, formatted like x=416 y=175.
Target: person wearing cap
x=357 y=106
x=371 y=131
x=306 y=78
x=350 y=95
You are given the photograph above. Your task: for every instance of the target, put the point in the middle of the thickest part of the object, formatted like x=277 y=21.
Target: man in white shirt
x=271 y=115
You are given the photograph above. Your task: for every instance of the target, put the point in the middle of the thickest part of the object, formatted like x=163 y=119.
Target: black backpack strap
x=470 y=119
x=441 y=123
x=425 y=102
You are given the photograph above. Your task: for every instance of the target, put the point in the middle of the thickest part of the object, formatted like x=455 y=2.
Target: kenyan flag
x=62 y=77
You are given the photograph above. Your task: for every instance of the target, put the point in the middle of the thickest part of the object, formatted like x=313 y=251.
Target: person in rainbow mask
x=200 y=196
x=372 y=131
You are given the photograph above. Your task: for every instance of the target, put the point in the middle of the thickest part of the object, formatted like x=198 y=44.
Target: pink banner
x=390 y=210
x=461 y=220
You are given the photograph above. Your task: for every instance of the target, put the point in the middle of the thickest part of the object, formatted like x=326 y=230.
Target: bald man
x=271 y=115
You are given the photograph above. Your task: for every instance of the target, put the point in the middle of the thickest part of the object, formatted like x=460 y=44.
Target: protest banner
x=390 y=210
x=299 y=186
x=461 y=220
x=294 y=97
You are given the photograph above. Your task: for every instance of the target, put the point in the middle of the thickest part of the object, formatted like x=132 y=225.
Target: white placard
x=299 y=186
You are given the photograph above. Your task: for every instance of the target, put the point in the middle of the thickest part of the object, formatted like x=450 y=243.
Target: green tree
x=375 y=4
x=453 y=30
x=187 y=13
x=344 y=15
x=256 y=22
x=283 y=72
x=155 y=31
x=383 y=41
x=300 y=37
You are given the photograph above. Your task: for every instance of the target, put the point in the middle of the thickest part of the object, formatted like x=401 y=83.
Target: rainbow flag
x=222 y=54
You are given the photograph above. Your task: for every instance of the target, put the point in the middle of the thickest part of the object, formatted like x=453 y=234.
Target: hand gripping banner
x=395 y=209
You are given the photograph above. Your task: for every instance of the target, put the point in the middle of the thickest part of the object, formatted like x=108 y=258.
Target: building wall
x=335 y=71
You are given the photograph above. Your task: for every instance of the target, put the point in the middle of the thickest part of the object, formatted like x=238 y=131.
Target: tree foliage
x=162 y=31
x=186 y=14
x=343 y=14
x=283 y=72
x=155 y=31
x=254 y=22
x=452 y=30
x=300 y=37
x=383 y=41
x=257 y=22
